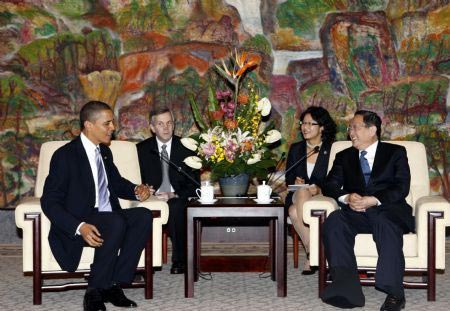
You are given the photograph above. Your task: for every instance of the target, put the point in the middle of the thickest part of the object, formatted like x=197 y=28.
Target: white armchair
x=38 y=259
x=424 y=250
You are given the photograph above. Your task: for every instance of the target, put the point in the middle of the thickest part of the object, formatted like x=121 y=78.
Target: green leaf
x=197 y=115
x=212 y=100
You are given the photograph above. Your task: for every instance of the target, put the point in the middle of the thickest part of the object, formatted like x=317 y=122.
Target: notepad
x=295 y=187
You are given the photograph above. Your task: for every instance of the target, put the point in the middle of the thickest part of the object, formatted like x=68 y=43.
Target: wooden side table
x=236 y=208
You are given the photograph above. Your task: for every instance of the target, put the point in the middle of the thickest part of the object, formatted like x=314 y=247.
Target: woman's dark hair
x=323 y=118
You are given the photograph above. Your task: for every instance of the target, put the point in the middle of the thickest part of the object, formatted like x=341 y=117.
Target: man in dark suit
x=80 y=198
x=173 y=186
x=370 y=181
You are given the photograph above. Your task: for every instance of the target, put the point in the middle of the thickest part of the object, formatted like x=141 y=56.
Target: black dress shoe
x=393 y=303
x=93 y=300
x=345 y=291
x=311 y=271
x=177 y=268
x=116 y=296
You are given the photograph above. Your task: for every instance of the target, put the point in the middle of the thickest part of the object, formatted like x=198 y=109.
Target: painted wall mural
x=391 y=56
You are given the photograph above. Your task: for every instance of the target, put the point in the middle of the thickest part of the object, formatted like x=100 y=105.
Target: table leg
x=189 y=273
x=272 y=244
x=280 y=260
x=197 y=248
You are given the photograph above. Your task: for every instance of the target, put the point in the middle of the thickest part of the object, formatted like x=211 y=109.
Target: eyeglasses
x=307 y=123
x=355 y=127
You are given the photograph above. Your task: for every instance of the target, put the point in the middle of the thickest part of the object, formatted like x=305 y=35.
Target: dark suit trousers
x=177 y=228
x=125 y=230
x=340 y=230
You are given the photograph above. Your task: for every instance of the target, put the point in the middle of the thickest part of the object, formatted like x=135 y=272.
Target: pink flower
x=208 y=149
x=229 y=155
x=228 y=108
x=223 y=95
x=230 y=150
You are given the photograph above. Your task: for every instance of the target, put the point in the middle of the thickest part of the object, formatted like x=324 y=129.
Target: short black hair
x=157 y=111
x=370 y=118
x=90 y=111
x=323 y=118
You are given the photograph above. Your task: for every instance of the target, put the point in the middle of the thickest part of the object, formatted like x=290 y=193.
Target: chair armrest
x=439 y=209
x=155 y=204
x=432 y=203
x=26 y=206
x=317 y=203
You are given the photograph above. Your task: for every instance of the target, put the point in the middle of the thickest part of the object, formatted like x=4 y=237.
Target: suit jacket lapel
x=381 y=158
x=320 y=160
x=354 y=161
x=85 y=168
x=301 y=168
x=154 y=154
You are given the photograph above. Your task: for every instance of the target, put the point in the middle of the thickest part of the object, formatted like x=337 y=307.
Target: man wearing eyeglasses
x=370 y=181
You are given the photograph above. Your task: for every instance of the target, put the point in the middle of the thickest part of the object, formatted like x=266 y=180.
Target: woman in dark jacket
x=318 y=129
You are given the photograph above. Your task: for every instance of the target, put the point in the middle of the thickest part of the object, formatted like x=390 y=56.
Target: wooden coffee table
x=236 y=208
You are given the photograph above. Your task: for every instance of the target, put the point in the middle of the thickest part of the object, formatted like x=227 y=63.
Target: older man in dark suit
x=370 y=181
x=80 y=198
x=172 y=185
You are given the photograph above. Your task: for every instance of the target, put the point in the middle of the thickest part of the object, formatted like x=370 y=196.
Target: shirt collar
x=160 y=143
x=371 y=150
x=87 y=143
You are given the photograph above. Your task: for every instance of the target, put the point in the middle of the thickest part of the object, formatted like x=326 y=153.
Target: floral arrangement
x=233 y=139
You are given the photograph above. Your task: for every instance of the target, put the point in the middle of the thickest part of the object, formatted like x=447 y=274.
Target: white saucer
x=207 y=202
x=262 y=202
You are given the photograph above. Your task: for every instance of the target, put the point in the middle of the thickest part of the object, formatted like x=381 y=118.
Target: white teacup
x=263 y=192
x=205 y=193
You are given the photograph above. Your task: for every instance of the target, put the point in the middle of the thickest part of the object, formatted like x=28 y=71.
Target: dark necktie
x=165 y=185
x=103 y=197
x=364 y=166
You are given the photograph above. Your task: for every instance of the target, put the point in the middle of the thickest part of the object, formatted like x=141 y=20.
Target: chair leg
x=149 y=268
x=164 y=244
x=37 y=263
x=295 y=239
x=431 y=264
x=321 y=214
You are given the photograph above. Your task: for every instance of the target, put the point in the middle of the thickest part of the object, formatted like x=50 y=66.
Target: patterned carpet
x=226 y=291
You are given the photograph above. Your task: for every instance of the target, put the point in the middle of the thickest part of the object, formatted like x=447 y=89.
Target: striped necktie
x=165 y=185
x=104 y=205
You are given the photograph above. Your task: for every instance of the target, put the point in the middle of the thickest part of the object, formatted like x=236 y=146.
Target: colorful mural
x=391 y=56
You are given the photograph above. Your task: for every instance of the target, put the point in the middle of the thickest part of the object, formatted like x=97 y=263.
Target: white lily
x=241 y=136
x=194 y=162
x=272 y=136
x=189 y=143
x=256 y=157
x=264 y=106
x=208 y=136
